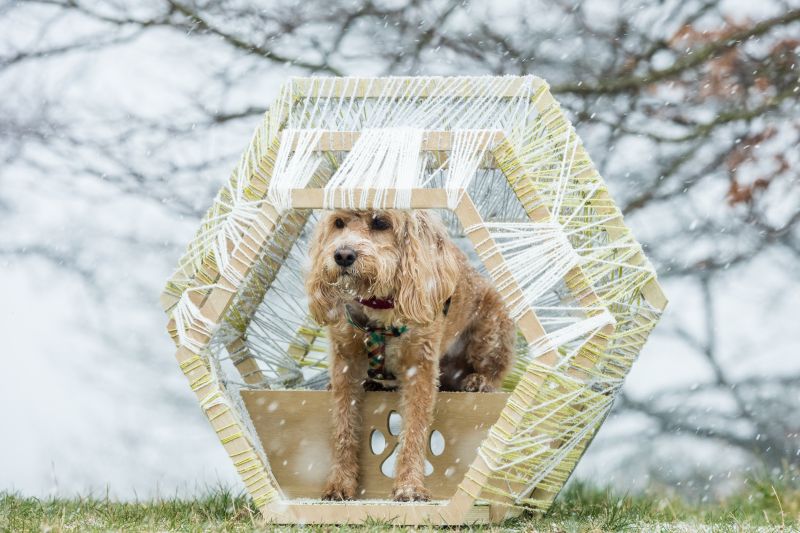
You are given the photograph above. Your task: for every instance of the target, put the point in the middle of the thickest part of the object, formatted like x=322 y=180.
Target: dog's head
x=405 y=256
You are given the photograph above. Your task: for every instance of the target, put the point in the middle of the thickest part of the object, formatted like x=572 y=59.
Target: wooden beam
x=411 y=514
x=351 y=198
x=432 y=140
x=376 y=87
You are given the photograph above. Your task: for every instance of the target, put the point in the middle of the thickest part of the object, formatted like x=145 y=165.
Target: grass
x=764 y=506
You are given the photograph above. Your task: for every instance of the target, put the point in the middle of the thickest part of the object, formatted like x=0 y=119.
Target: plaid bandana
x=375 y=342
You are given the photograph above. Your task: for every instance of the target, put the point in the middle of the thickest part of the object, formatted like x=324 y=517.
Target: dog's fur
x=408 y=257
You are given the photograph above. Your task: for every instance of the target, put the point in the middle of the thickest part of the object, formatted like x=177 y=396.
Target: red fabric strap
x=377 y=303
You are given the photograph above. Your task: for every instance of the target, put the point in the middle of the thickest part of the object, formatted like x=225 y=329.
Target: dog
x=403 y=308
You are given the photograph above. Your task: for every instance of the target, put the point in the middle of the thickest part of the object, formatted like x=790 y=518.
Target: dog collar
x=388 y=303
x=377 y=303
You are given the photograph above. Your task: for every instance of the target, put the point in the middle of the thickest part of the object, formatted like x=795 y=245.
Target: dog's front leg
x=348 y=370
x=418 y=384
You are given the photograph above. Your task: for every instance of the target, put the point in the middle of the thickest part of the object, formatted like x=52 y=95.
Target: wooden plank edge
x=319 y=87
x=409 y=514
x=420 y=198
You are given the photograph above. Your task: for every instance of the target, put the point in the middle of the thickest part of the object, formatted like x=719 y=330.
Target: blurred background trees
x=119 y=121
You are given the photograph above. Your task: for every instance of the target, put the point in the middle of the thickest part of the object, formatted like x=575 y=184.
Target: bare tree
x=691 y=114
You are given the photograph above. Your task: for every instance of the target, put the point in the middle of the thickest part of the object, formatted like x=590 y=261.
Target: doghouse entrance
x=294 y=427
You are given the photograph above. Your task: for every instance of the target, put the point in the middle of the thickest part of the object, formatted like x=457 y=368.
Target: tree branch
x=685 y=63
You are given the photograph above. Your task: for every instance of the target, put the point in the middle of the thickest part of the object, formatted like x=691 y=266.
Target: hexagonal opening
x=283 y=349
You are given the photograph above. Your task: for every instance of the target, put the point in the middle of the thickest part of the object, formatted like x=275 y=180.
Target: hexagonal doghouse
x=503 y=166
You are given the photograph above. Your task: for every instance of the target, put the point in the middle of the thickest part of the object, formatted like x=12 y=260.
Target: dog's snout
x=344 y=256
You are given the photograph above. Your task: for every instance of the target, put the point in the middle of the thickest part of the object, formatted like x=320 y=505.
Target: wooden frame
x=211 y=304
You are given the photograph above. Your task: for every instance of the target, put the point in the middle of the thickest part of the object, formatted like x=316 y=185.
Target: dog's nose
x=344 y=256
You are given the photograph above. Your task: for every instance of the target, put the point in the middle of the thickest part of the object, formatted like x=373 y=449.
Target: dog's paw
x=476 y=383
x=411 y=493
x=339 y=492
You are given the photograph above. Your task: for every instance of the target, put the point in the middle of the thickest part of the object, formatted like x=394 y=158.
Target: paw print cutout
x=379 y=445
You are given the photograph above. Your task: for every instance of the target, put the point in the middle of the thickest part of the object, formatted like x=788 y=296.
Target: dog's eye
x=339 y=223
x=380 y=224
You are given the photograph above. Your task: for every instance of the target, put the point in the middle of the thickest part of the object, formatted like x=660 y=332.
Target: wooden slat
x=375 y=87
x=432 y=140
x=351 y=198
x=245 y=363
x=411 y=514
x=494 y=262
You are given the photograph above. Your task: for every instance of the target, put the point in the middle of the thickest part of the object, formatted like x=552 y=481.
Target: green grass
x=764 y=506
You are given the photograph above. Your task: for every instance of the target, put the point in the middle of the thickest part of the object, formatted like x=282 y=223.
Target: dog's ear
x=322 y=302
x=429 y=268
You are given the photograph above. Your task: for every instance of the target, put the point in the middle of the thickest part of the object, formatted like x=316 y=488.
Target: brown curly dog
x=403 y=307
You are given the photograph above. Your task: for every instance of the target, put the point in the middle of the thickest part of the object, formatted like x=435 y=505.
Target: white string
x=242 y=217
x=431 y=103
x=541 y=347
x=187 y=316
x=295 y=165
x=560 y=337
x=468 y=150
x=380 y=159
x=538 y=254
